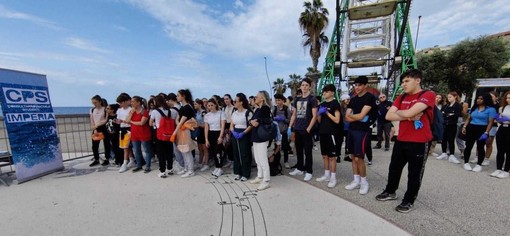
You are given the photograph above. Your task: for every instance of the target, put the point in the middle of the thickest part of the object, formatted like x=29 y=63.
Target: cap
x=345 y=97
x=361 y=80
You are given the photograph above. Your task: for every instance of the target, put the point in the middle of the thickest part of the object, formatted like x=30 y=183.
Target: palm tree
x=293 y=84
x=279 y=86
x=312 y=21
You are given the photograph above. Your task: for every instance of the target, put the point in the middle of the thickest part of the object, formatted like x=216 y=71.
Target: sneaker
x=94 y=163
x=146 y=170
x=106 y=163
x=214 y=171
x=332 y=183
x=219 y=173
x=369 y=163
x=296 y=172
x=473 y=160
x=443 y=156
x=352 y=185
x=347 y=158
x=308 y=177
x=137 y=169
x=256 y=180
x=204 y=168
x=323 y=178
x=363 y=188
x=170 y=172
x=263 y=185
x=181 y=172
x=477 y=168
x=453 y=159
x=495 y=173
x=123 y=168
x=404 y=207
x=503 y=175
x=486 y=162
x=385 y=196
x=287 y=166
x=162 y=175
x=237 y=177
x=377 y=147
x=467 y=167
x=435 y=154
x=244 y=179
x=188 y=174
x=131 y=164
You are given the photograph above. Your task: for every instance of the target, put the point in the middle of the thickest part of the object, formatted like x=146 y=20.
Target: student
x=174 y=110
x=503 y=139
x=383 y=125
x=228 y=153
x=165 y=149
x=124 y=101
x=329 y=117
x=262 y=116
x=140 y=133
x=214 y=127
x=303 y=119
x=477 y=128
x=203 y=158
x=98 y=118
x=411 y=146
x=345 y=102
x=357 y=114
x=451 y=113
x=113 y=132
x=185 y=113
x=281 y=114
x=241 y=143
x=492 y=132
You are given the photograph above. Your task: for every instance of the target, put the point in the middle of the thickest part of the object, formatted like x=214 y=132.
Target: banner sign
x=31 y=124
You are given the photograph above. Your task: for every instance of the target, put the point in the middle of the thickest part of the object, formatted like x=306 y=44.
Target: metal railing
x=74 y=134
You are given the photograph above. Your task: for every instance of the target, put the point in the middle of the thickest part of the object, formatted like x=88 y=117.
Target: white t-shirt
x=239 y=119
x=157 y=117
x=214 y=120
x=228 y=113
x=506 y=113
x=122 y=114
x=98 y=115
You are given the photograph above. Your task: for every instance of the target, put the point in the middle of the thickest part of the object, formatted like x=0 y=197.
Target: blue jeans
x=138 y=148
x=179 y=157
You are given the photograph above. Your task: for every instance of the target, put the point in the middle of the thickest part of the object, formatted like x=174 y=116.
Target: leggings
x=503 y=146
x=215 y=148
x=473 y=133
x=450 y=132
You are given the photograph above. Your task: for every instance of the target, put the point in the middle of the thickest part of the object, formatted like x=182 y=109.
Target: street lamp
x=417 y=32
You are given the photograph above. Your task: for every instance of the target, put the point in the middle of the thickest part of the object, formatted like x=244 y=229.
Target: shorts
x=201 y=135
x=329 y=144
x=493 y=131
x=358 y=142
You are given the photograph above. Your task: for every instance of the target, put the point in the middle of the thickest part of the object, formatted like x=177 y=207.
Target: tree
x=312 y=21
x=293 y=84
x=279 y=86
x=469 y=60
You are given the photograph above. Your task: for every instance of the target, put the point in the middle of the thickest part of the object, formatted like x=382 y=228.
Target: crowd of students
x=231 y=131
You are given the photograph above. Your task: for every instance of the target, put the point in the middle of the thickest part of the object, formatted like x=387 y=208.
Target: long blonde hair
x=267 y=100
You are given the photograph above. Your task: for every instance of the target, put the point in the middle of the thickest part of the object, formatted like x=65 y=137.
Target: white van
x=500 y=85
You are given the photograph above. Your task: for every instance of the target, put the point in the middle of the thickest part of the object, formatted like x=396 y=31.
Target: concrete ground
x=100 y=201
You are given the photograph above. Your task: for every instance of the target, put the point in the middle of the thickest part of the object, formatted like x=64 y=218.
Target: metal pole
x=417 y=32
x=269 y=82
x=338 y=57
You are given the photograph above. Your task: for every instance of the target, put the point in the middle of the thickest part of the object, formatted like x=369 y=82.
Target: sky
x=143 y=47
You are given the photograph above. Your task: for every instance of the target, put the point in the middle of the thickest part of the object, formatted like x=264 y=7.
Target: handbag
x=98 y=136
x=266 y=132
x=184 y=141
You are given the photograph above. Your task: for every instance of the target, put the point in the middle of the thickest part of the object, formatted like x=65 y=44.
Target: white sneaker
x=123 y=168
x=486 y=162
x=308 y=177
x=204 y=168
x=473 y=160
x=296 y=172
x=323 y=178
x=503 y=175
x=435 y=154
x=332 y=183
x=162 y=175
x=219 y=173
x=363 y=188
x=287 y=166
x=256 y=180
x=443 y=156
x=188 y=174
x=453 y=159
x=169 y=172
x=214 y=171
x=263 y=185
x=352 y=185
x=467 y=167
x=477 y=168
x=131 y=164
x=496 y=173
x=181 y=172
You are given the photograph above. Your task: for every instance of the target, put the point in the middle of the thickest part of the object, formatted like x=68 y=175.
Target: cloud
x=84 y=45
x=120 y=28
x=239 y=4
x=15 y=15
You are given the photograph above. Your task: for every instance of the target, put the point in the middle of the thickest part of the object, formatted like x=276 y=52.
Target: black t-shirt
x=382 y=110
x=451 y=114
x=112 y=127
x=187 y=111
x=356 y=104
x=327 y=126
x=304 y=114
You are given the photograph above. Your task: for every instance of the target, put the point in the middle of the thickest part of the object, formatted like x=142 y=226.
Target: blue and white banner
x=31 y=124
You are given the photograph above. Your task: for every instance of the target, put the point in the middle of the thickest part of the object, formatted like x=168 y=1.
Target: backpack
x=436 y=123
x=285 y=109
x=166 y=127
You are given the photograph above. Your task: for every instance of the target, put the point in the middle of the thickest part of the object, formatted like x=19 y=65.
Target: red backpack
x=166 y=126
